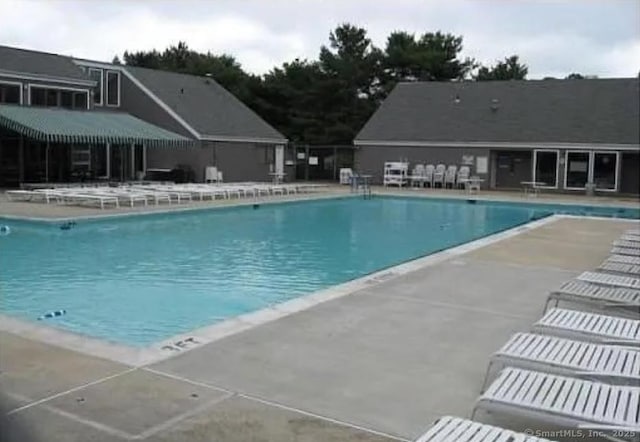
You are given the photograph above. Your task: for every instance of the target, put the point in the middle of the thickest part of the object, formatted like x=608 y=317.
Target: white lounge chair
x=626 y=244
x=629 y=237
x=625 y=251
x=575 y=324
x=585 y=292
x=624 y=259
x=620 y=268
x=438 y=175
x=610 y=280
x=566 y=402
x=608 y=363
x=456 y=429
x=81 y=197
x=429 y=171
x=635 y=232
x=450 y=176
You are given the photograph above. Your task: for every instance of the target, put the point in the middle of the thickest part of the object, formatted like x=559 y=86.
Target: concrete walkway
x=378 y=365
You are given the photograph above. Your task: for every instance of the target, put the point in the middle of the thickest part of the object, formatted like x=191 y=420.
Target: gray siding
x=237 y=161
x=136 y=102
x=244 y=161
x=370 y=159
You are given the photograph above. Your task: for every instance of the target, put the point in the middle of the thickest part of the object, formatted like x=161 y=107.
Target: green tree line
x=328 y=100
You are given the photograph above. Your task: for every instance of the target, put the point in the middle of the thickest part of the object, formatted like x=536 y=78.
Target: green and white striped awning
x=85 y=127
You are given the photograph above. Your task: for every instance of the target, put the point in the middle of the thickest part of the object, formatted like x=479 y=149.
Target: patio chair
x=624 y=259
x=635 y=232
x=456 y=429
x=565 y=402
x=438 y=175
x=463 y=174
x=450 y=176
x=620 y=268
x=610 y=280
x=575 y=324
x=417 y=175
x=608 y=363
x=578 y=291
x=625 y=251
x=210 y=174
x=429 y=171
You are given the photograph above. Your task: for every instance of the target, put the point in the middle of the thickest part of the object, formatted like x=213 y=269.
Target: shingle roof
x=562 y=111
x=205 y=105
x=39 y=63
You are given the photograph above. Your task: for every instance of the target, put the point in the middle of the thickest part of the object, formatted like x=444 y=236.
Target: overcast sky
x=554 y=38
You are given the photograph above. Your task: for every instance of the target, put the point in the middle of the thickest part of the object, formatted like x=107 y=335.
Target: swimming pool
x=137 y=280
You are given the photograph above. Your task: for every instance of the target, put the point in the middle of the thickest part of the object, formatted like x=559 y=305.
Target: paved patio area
x=54 y=211
x=377 y=365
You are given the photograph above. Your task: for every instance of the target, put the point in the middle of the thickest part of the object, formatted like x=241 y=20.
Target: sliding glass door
x=545 y=168
x=605 y=170
x=599 y=168
x=576 y=170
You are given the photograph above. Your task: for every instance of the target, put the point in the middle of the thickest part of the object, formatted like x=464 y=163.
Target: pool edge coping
x=196 y=338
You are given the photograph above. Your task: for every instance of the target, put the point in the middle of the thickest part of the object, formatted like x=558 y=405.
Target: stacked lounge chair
x=144 y=194
x=577 y=370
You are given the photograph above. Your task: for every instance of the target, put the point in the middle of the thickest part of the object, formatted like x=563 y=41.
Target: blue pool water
x=138 y=280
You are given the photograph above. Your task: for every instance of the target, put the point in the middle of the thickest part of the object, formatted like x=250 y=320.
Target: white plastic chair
x=210 y=174
x=438 y=175
x=450 y=176
x=417 y=174
x=463 y=174
x=429 y=170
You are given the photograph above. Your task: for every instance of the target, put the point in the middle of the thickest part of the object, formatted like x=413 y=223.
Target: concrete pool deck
x=380 y=364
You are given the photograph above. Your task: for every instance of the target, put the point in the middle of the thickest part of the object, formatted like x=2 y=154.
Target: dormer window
x=113 y=88
x=96 y=75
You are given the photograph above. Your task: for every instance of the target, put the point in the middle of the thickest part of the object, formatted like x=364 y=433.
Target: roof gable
x=206 y=106
x=549 y=111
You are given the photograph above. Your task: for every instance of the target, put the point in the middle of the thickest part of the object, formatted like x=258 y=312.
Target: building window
x=605 y=170
x=113 y=88
x=9 y=93
x=51 y=97
x=96 y=75
x=80 y=100
x=38 y=96
x=545 y=167
x=576 y=170
x=66 y=99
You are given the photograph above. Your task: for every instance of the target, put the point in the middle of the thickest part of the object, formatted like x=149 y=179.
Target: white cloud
x=600 y=37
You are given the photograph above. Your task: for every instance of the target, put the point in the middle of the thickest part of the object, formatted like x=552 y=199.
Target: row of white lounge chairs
x=145 y=194
x=576 y=370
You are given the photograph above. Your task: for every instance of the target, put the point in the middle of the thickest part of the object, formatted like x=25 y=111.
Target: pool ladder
x=358 y=185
